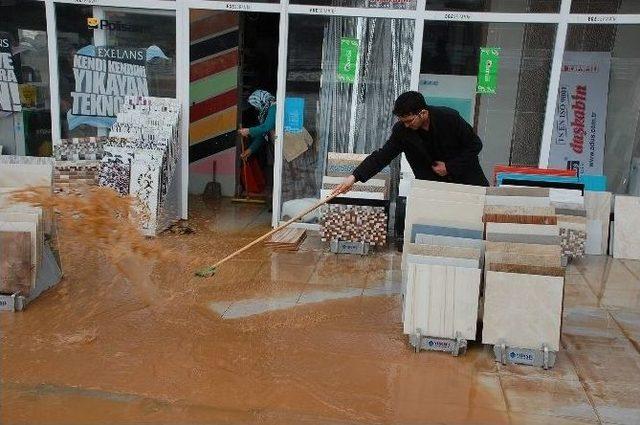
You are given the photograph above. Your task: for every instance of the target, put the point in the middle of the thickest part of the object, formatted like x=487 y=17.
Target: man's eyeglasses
x=409 y=119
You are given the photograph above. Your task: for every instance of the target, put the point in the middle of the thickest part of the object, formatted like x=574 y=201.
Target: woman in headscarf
x=265 y=103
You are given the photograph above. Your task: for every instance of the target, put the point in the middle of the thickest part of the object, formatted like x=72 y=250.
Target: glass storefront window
x=504 y=6
x=342 y=110
x=105 y=54
x=509 y=121
x=372 y=4
x=598 y=115
x=605 y=6
x=25 y=114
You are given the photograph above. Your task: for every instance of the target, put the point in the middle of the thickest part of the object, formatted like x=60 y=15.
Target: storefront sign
x=348 y=61
x=488 y=70
x=103 y=77
x=581 y=113
x=9 y=94
x=453 y=91
x=293 y=114
x=238 y=6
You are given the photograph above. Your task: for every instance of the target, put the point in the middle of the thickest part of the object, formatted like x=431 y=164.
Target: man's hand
x=246 y=154
x=439 y=168
x=345 y=186
x=244 y=132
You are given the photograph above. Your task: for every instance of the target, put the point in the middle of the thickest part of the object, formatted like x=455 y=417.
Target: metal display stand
x=455 y=346
x=542 y=357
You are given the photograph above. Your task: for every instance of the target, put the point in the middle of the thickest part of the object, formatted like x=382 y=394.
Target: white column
x=283 y=43
x=182 y=94
x=554 y=83
x=54 y=88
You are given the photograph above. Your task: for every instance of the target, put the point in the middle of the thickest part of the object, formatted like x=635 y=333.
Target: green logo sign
x=348 y=61
x=488 y=70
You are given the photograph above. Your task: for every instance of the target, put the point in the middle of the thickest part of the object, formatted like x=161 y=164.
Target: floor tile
x=551 y=397
x=253 y=307
x=530 y=419
x=562 y=370
x=310 y=295
x=615 y=403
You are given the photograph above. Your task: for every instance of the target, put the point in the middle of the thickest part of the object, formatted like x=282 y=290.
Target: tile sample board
x=15 y=262
x=598 y=210
x=442 y=300
x=522 y=310
x=626 y=229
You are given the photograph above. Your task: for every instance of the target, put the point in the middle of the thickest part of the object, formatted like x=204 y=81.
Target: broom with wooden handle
x=210 y=271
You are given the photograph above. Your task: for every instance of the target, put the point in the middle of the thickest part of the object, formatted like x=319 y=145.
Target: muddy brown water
x=127 y=337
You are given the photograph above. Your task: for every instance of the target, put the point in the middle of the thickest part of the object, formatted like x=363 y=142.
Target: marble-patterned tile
x=518 y=191
x=522 y=248
x=523 y=310
x=524 y=238
x=442 y=251
x=144 y=185
x=519 y=210
x=553 y=398
x=500 y=257
x=627 y=222
x=442 y=300
x=517 y=201
x=534 y=269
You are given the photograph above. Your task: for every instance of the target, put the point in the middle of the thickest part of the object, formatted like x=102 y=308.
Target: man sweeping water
x=438 y=143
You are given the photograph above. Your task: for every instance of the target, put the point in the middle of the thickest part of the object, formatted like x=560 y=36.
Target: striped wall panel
x=213 y=89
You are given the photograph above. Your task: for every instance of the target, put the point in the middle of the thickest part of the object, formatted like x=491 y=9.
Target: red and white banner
x=581 y=114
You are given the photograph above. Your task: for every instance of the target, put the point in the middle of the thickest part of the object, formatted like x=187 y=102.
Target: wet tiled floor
x=305 y=337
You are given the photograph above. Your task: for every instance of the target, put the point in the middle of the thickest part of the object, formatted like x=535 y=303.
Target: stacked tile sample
x=442 y=259
x=524 y=277
x=77 y=163
x=22 y=227
x=626 y=240
x=343 y=164
x=140 y=158
x=288 y=239
x=598 y=210
x=359 y=215
x=354 y=223
x=572 y=220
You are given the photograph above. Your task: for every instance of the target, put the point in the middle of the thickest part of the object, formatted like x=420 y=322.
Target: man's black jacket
x=458 y=147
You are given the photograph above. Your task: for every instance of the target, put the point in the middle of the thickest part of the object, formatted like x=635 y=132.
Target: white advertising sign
x=581 y=113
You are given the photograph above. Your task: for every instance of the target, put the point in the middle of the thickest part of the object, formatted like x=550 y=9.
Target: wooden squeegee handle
x=265 y=236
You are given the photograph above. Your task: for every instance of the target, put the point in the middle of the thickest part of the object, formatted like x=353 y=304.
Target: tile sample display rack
x=524 y=275
x=45 y=271
x=357 y=221
x=441 y=265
